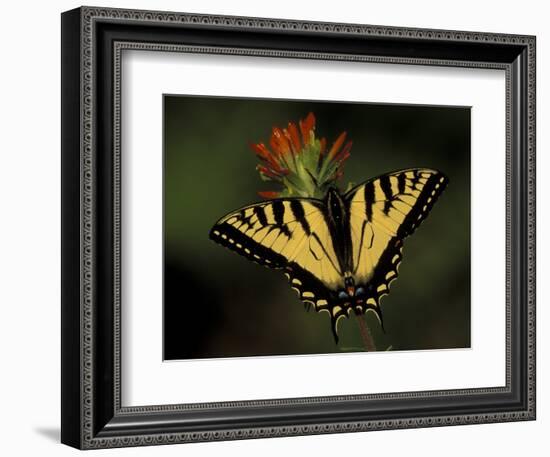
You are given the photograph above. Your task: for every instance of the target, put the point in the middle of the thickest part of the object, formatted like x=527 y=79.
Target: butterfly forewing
x=289 y=234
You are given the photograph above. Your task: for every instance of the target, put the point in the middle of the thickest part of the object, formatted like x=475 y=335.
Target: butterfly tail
x=378 y=311
x=333 y=325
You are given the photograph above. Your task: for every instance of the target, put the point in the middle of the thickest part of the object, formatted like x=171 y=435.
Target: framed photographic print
x=274 y=228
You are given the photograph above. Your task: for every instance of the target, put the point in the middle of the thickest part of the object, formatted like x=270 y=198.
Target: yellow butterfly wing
x=383 y=212
x=290 y=234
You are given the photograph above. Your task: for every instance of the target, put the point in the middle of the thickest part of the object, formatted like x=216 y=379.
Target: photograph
x=329 y=206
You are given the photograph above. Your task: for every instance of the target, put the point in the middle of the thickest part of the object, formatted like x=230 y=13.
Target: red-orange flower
x=299 y=161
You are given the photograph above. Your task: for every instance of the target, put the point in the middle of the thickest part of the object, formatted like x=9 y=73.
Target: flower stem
x=365 y=334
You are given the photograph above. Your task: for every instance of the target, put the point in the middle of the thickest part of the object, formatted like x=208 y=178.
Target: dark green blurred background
x=219 y=304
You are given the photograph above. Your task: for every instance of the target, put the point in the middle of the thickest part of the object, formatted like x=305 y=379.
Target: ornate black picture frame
x=92 y=42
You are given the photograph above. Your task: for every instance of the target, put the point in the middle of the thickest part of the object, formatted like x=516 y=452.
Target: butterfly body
x=339 y=253
x=337 y=211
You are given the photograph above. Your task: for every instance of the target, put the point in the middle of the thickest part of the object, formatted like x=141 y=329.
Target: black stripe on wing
x=369 y=198
x=300 y=216
x=386 y=188
x=278 y=208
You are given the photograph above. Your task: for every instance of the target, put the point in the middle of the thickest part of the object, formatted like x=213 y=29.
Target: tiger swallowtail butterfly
x=339 y=253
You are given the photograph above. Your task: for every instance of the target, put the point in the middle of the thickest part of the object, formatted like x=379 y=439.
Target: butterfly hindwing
x=314 y=293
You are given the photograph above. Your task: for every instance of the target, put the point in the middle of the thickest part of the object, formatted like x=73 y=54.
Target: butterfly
x=339 y=253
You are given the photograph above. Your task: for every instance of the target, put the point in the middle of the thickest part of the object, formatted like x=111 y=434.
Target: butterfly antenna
x=313 y=178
